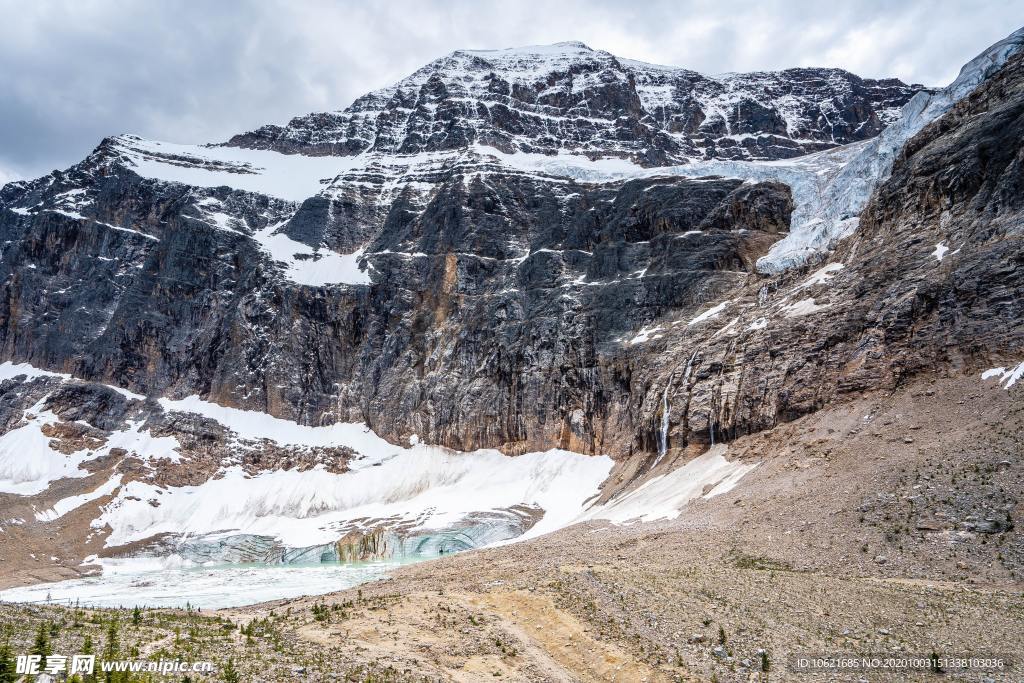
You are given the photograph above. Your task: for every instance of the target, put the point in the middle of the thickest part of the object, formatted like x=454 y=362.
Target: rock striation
x=569 y=97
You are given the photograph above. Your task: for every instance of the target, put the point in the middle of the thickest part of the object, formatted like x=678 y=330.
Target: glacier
x=398 y=503
x=818 y=225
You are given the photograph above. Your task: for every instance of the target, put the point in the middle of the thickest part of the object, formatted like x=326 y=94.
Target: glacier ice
x=423 y=488
x=818 y=225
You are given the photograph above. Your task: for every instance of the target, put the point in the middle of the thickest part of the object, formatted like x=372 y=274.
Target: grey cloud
x=73 y=72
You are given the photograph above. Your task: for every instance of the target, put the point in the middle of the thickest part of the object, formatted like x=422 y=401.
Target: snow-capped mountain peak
x=570 y=97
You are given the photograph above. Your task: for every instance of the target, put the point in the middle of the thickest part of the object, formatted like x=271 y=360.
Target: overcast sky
x=72 y=72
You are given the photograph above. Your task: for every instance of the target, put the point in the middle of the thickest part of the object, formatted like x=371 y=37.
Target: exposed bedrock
x=521 y=310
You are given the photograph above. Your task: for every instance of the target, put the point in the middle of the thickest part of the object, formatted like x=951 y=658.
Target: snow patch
x=253 y=425
x=288 y=176
x=27 y=463
x=646 y=334
x=9 y=370
x=710 y=313
x=142 y=443
x=664 y=497
x=66 y=505
x=1007 y=377
x=308 y=266
x=822 y=275
x=802 y=307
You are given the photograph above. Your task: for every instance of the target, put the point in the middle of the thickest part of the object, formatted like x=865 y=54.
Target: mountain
x=569 y=97
x=518 y=289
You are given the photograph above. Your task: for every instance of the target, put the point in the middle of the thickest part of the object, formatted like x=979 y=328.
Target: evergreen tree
x=88 y=649
x=110 y=650
x=41 y=646
x=230 y=673
x=7 y=663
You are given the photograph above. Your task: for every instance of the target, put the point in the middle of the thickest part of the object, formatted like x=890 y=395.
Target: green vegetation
x=7 y=662
x=41 y=646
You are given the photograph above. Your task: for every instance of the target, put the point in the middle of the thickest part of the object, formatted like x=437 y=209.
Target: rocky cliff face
x=492 y=304
x=486 y=292
x=929 y=283
x=570 y=97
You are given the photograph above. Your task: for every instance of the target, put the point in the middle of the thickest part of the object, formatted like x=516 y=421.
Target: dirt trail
x=565 y=639
x=515 y=635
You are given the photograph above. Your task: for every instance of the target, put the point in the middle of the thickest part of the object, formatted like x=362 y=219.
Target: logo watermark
x=33 y=665
x=817 y=663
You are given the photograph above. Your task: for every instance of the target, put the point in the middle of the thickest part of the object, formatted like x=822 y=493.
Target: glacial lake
x=152 y=584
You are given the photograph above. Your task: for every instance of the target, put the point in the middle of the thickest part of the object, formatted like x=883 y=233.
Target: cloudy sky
x=72 y=72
